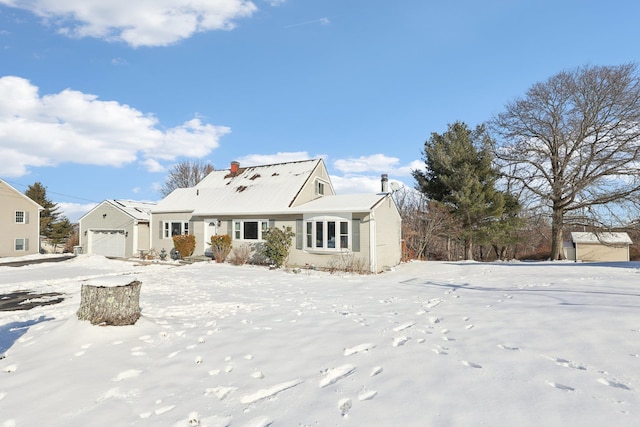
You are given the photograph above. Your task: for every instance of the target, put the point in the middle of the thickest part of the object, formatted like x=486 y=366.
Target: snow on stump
x=110 y=302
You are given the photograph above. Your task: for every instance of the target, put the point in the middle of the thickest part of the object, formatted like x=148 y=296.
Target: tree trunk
x=557 y=218
x=110 y=305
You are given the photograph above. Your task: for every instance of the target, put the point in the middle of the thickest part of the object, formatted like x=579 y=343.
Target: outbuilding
x=116 y=228
x=598 y=246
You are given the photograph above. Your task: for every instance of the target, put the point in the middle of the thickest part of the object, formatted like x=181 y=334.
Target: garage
x=110 y=243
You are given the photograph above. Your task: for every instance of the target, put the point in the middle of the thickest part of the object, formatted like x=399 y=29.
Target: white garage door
x=107 y=243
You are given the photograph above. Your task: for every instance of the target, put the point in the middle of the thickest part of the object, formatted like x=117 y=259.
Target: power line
x=52 y=192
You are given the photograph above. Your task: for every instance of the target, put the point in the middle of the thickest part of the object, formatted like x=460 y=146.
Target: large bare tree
x=574 y=141
x=184 y=175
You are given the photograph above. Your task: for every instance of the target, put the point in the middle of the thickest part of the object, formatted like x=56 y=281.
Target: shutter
x=299 y=234
x=26 y=217
x=355 y=235
x=230 y=229
x=26 y=244
x=272 y=223
x=161 y=230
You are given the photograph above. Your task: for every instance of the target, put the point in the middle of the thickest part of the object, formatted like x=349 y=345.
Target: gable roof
x=136 y=210
x=603 y=237
x=255 y=189
x=7 y=190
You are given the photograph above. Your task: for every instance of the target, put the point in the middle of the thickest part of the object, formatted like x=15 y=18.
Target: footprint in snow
x=376 y=371
x=614 y=384
x=331 y=376
x=400 y=341
x=367 y=395
x=560 y=386
x=124 y=375
x=358 y=349
x=344 y=405
x=508 y=347
x=470 y=364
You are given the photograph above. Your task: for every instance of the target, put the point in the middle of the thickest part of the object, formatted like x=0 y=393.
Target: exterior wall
x=602 y=253
x=308 y=191
x=157 y=241
x=11 y=201
x=115 y=219
x=388 y=235
x=143 y=236
x=303 y=257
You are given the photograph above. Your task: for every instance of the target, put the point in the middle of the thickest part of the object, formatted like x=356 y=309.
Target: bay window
x=327 y=233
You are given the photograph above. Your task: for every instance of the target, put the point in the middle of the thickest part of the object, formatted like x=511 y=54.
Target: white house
x=246 y=201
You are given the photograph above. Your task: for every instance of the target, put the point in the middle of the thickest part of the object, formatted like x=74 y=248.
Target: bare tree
x=184 y=175
x=574 y=141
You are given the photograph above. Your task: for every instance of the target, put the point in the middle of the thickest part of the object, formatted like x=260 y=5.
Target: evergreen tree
x=50 y=215
x=459 y=174
x=60 y=232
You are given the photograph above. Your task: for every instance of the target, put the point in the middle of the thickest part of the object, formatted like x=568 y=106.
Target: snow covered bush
x=220 y=247
x=277 y=244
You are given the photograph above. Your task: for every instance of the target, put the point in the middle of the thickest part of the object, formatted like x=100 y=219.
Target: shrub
x=348 y=263
x=277 y=243
x=241 y=255
x=185 y=244
x=220 y=247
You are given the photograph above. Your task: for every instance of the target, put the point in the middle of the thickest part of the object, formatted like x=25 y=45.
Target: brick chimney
x=384 y=180
x=235 y=166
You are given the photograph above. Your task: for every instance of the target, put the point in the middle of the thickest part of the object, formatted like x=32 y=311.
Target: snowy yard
x=428 y=344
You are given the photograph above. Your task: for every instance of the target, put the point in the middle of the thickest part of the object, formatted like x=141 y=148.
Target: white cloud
x=73 y=211
x=140 y=22
x=356 y=184
x=74 y=127
x=372 y=163
x=406 y=170
x=269 y=159
x=152 y=165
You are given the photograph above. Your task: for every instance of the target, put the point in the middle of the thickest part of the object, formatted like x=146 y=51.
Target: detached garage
x=116 y=228
x=598 y=247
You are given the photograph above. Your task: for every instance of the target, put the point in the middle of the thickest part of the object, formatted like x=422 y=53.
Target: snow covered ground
x=428 y=344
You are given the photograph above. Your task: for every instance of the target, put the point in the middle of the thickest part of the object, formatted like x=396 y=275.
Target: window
x=327 y=234
x=21 y=217
x=20 y=245
x=249 y=229
x=319 y=188
x=176 y=228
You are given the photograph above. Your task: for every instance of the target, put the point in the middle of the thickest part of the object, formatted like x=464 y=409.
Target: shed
x=598 y=246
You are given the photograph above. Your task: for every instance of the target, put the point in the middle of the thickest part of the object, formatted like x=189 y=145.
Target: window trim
x=24 y=244
x=313 y=224
x=24 y=217
x=319 y=186
x=238 y=229
x=167 y=227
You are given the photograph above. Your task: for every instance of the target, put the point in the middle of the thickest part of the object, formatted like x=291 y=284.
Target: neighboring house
x=19 y=222
x=116 y=228
x=245 y=202
x=602 y=246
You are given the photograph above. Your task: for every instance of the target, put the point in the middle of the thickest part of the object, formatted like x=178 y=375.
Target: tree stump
x=110 y=305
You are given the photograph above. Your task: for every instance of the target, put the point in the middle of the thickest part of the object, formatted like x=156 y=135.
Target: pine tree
x=459 y=175
x=50 y=215
x=60 y=232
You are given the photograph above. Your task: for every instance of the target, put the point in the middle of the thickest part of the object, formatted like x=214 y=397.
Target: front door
x=210 y=229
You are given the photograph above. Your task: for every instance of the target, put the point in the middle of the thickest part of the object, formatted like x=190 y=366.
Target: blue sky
x=99 y=98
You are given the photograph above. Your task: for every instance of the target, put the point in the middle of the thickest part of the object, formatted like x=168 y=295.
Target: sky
x=439 y=344
x=100 y=98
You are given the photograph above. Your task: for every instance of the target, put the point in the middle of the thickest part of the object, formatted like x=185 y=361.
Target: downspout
x=373 y=259
x=134 y=234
